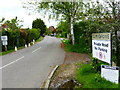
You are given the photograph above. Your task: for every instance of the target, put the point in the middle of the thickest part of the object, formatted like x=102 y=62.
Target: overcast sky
x=11 y=8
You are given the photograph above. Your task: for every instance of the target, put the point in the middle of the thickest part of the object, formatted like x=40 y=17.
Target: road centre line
x=11 y=62
x=36 y=50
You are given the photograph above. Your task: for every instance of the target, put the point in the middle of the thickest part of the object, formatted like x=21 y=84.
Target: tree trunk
x=72 y=31
x=117 y=50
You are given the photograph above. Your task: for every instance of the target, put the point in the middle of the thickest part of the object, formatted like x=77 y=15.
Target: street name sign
x=4 y=38
x=101 y=46
x=4 y=42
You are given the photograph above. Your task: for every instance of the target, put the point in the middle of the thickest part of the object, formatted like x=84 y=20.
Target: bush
x=81 y=37
x=79 y=48
x=79 y=32
x=22 y=42
x=33 y=34
x=96 y=64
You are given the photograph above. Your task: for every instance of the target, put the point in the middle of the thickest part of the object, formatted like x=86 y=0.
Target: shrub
x=96 y=64
x=33 y=34
x=79 y=48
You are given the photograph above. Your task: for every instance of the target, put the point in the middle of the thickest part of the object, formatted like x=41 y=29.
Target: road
x=29 y=67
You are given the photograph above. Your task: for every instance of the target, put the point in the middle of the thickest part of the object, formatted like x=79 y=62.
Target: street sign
x=110 y=73
x=4 y=38
x=101 y=46
x=5 y=42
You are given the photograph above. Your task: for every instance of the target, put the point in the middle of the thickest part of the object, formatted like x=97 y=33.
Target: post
x=111 y=47
x=15 y=48
x=5 y=48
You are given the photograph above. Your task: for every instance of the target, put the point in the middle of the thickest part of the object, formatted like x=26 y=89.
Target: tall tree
x=106 y=18
x=114 y=13
x=69 y=11
x=39 y=24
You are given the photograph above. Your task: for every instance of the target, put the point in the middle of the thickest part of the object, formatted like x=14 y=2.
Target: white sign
x=101 y=47
x=4 y=38
x=5 y=42
x=110 y=73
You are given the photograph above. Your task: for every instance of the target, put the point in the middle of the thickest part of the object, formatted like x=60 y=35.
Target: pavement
x=29 y=67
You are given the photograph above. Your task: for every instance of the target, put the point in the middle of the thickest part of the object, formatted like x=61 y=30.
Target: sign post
x=102 y=50
x=4 y=41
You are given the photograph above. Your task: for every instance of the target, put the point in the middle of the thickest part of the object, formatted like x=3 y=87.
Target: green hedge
x=33 y=34
x=81 y=38
x=16 y=39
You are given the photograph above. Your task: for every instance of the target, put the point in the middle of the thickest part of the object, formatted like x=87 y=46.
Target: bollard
x=25 y=45
x=29 y=44
x=33 y=41
x=15 y=48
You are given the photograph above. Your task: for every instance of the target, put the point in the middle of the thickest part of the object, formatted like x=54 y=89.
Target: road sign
x=101 y=46
x=5 y=42
x=4 y=38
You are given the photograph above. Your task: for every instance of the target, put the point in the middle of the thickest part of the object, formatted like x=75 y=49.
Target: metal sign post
x=4 y=41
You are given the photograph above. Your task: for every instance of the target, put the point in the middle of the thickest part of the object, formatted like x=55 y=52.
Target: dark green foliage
x=79 y=32
x=33 y=34
x=39 y=24
x=62 y=29
x=79 y=48
x=63 y=26
x=96 y=64
x=22 y=42
x=82 y=36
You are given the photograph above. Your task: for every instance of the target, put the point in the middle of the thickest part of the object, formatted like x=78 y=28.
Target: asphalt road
x=29 y=67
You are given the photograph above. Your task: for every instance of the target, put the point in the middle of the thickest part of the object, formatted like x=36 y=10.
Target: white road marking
x=11 y=62
x=36 y=50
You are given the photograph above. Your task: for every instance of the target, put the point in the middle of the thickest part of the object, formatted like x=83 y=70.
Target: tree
x=114 y=18
x=13 y=29
x=39 y=24
x=62 y=29
x=1 y=21
x=105 y=18
x=63 y=25
x=69 y=11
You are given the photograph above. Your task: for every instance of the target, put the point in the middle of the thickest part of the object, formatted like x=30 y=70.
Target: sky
x=9 y=9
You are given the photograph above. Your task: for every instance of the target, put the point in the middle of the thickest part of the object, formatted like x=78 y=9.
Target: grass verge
x=90 y=79
x=12 y=50
x=79 y=48
x=9 y=51
x=40 y=39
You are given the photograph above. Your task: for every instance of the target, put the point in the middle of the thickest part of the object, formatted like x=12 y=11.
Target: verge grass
x=9 y=51
x=12 y=50
x=40 y=39
x=79 y=48
x=89 y=79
